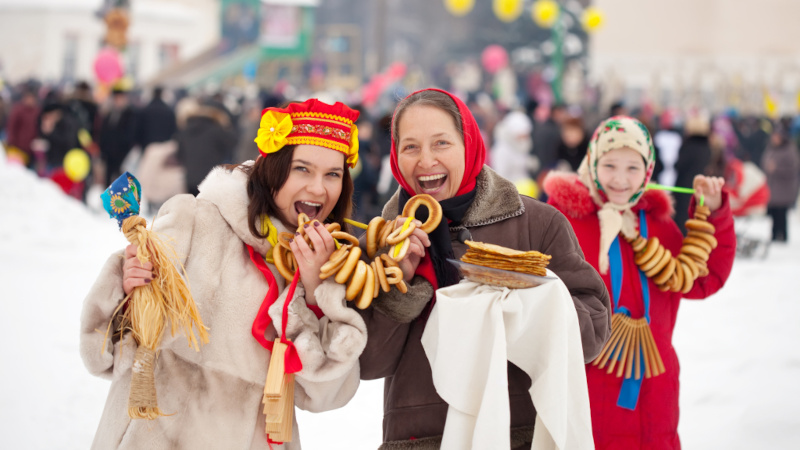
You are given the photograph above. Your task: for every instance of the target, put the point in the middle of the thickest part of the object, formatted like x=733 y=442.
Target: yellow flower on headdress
x=352 y=157
x=272 y=133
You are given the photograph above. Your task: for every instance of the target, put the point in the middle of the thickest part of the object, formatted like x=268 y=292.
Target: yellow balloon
x=528 y=187
x=84 y=137
x=459 y=8
x=545 y=13
x=592 y=19
x=76 y=165
x=771 y=106
x=507 y=10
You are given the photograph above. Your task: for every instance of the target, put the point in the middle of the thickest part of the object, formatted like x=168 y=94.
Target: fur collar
x=567 y=192
x=227 y=190
x=496 y=199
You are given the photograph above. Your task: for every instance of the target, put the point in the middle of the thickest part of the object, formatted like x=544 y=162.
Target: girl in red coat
x=608 y=206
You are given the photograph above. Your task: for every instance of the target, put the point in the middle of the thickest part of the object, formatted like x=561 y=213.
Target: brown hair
x=268 y=175
x=432 y=98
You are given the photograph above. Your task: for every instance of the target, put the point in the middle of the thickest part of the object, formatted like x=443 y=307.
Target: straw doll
x=627 y=234
x=224 y=238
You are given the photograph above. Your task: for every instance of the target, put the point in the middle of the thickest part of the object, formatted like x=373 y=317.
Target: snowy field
x=739 y=350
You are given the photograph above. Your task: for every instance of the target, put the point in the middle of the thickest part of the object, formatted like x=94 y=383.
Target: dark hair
x=428 y=97
x=268 y=175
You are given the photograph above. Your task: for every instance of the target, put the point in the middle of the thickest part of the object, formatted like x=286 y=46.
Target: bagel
x=434 y=211
x=284 y=239
x=373 y=235
x=702 y=269
x=689 y=262
x=387 y=229
x=393 y=275
x=708 y=237
x=343 y=236
x=654 y=260
x=349 y=266
x=368 y=291
x=665 y=259
x=648 y=251
x=302 y=219
x=357 y=281
x=278 y=258
x=702 y=209
x=335 y=262
x=639 y=243
x=377 y=289
x=388 y=261
x=702 y=217
x=664 y=276
x=677 y=281
x=401 y=286
x=700 y=225
x=688 y=279
x=381 y=273
x=401 y=233
x=696 y=241
x=398 y=255
x=695 y=252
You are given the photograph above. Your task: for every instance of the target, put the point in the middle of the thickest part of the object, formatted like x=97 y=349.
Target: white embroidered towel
x=471 y=333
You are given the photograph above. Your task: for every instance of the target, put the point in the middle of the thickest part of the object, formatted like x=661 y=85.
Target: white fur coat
x=214 y=396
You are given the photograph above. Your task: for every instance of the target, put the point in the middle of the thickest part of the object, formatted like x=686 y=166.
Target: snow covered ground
x=739 y=349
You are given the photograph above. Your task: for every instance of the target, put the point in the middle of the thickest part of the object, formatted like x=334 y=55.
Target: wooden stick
x=637 y=373
x=616 y=331
x=272 y=387
x=621 y=345
x=628 y=358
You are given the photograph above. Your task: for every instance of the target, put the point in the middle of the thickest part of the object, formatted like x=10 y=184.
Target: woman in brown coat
x=437 y=149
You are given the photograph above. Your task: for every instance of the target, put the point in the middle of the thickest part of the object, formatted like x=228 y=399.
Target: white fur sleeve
x=98 y=309
x=328 y=347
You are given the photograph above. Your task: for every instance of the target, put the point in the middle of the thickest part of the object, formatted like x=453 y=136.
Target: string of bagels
x=364 y=280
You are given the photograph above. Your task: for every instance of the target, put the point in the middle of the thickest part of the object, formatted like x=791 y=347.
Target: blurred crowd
x=170 y=139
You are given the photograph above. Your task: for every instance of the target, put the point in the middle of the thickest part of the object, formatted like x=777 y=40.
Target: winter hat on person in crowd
x=616 y=132
x=311 y=122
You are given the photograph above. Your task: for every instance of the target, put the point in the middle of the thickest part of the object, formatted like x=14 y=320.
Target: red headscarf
x=474 y=154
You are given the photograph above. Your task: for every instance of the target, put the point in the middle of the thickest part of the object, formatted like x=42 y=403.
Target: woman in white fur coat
x=213 y=397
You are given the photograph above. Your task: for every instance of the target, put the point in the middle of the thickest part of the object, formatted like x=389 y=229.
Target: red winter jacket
x=654 y=422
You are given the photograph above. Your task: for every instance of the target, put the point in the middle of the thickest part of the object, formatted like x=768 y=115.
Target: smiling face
x=430 y=151
x=314 y=183
x=621 y=173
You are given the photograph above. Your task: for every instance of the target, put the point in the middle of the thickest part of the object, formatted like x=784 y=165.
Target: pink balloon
x=494 y=58
x=107 y=66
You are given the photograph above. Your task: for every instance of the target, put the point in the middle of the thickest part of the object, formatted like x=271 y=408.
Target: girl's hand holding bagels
x=711 y=189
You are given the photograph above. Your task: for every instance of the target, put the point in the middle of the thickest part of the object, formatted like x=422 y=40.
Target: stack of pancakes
x=497 y=257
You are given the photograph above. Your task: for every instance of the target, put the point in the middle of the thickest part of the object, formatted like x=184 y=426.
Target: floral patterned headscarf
x=616 y=132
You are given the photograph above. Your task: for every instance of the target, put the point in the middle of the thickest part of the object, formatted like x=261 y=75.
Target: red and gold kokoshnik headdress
x=311 y=122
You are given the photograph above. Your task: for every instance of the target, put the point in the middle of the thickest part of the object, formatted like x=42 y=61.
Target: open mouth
x=431 y=183
x=311 y=209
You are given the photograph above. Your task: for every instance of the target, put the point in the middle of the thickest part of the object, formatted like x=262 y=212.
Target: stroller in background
x=749 y=197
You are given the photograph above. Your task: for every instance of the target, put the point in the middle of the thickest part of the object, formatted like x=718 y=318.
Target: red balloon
x=494 y=58
x=107 y=66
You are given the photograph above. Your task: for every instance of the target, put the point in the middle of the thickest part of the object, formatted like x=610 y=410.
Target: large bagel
x=357 y=281
x=404 y=245
x=401 y=233
x=349 y=266
x=700 y=225
x=342 y=236
x=381 y=273
x=688 y=279
x=434 y=211
x=335 y=262
x=695 y=252
x=387 y=229
x=639 y=243
x=690 y=263
x=373 y=235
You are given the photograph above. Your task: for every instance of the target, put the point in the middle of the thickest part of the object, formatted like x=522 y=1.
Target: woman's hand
x=310 y=261
x=416 y=249
x=711 y=189
x=134 y=274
